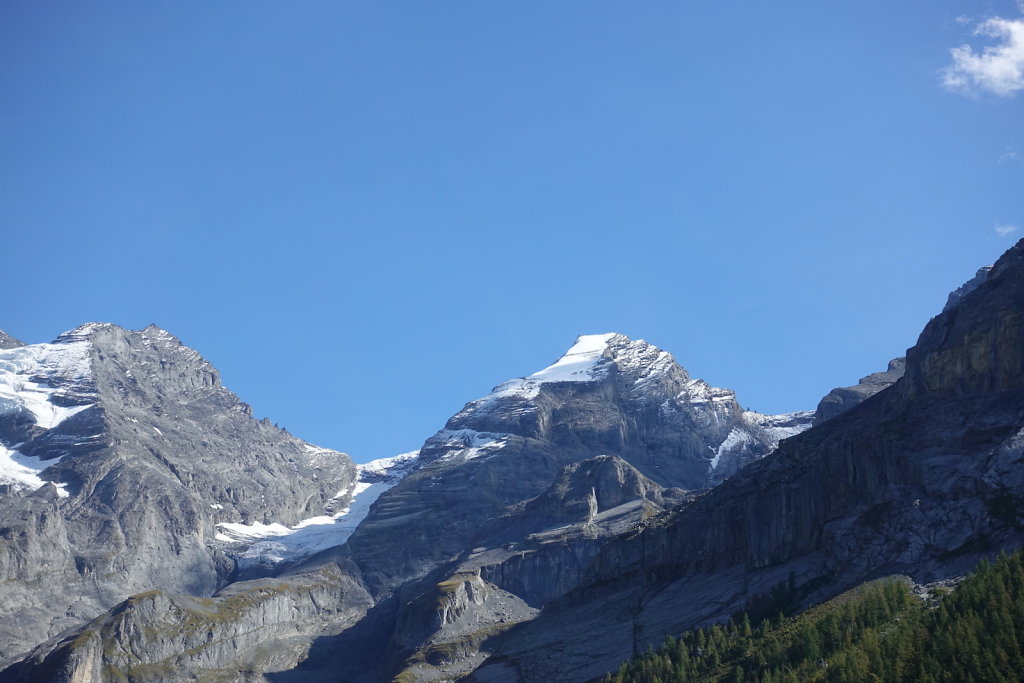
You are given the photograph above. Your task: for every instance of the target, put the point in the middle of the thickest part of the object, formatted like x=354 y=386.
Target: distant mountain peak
x=588 y=400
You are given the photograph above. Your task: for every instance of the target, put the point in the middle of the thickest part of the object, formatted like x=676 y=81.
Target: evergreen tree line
x=878 y=632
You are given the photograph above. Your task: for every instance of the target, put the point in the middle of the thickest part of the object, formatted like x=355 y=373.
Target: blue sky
x=367 y=214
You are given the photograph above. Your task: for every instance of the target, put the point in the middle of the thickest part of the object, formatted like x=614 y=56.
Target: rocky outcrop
x=582 y=492
x=121 y=451
x=841 y=399
x=921 y=479
x=268 y=624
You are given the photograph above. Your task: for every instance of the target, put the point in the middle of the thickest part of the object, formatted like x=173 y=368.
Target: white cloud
x=1005 y=230
x=1010 y=155
x=997 y=69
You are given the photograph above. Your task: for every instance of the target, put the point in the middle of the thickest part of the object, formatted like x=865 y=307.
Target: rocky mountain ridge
x=621 y=401
x=572 y=517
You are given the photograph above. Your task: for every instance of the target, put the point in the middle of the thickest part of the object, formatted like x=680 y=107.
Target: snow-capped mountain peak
x=611 y=374
x=590 y=359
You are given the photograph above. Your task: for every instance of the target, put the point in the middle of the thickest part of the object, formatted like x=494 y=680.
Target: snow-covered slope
x=41 y=386
x=581 y=363
x=22 y=471
x=263 y=546
x=590 y=359
x=32 y=377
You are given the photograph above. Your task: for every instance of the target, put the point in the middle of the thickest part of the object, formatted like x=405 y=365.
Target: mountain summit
x=639 y=383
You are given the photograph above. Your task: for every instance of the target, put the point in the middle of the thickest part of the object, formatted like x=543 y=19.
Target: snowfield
x=270 y=544
x=32 y=380
x=29 y=376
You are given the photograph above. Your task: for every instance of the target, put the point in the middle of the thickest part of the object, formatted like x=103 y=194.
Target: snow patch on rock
x=22 y=471
x=736 y=439
x=754 y=428
x=466 y=444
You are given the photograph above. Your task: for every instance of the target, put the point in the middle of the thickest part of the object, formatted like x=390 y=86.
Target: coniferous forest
x=880 y=631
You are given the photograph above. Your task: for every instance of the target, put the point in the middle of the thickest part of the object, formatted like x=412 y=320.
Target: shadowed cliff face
x=922 y=478
x=132 y=451
x=974 y=348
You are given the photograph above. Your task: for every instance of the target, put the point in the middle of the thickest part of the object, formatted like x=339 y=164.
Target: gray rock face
x=585 y=490
x=844 y=398
x=119 y=452
x=9 y=342
x=921 y=479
